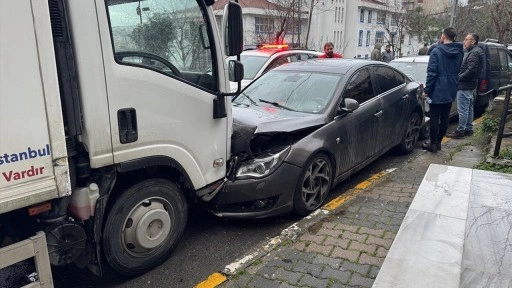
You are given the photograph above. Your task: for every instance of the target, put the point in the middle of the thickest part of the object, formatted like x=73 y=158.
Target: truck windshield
x=168 y=36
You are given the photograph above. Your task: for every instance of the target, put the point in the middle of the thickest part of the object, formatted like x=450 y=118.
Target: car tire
x=410 y=136
x=314 y=184
x=144 y=226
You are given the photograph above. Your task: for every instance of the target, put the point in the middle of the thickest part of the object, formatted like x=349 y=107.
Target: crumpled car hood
x=248 y=122
x=270 y=119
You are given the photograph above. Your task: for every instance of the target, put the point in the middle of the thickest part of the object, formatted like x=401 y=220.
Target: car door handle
x=405 y=97
x=378 y=114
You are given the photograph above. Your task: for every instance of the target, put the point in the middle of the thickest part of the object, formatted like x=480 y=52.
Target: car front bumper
x=258 y=198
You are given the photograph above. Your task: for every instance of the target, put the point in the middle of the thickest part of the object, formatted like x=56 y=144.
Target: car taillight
x=483 y=85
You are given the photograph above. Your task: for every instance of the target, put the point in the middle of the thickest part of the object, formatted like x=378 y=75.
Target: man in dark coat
x=423 y=50
x=468 y=81
x=441 y=87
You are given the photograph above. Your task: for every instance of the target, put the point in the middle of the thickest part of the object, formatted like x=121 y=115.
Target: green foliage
x=506 y=154
x=494 y=167
x=489 y=124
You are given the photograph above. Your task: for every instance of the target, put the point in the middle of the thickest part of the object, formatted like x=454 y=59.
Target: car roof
x=419 y=59
x=335 y=66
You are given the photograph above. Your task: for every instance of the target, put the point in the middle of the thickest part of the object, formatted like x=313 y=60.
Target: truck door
x=163 y=74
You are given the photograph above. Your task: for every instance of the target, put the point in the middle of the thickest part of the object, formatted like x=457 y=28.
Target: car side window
x=509 y=56
x=359 y=87
x=278 y=62
x=495 y=59
x=400 y=78
x=503 y=60
x=385 y=78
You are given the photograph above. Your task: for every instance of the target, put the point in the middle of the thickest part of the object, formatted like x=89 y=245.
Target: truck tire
x=144 y=226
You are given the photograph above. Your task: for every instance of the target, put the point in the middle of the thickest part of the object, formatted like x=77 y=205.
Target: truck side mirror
x=232 y=29
x=235 y=70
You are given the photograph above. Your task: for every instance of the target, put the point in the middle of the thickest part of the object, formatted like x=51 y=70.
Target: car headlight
x=261 y=166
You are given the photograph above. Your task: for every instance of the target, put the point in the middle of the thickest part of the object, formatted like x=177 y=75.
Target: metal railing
x=505 y=112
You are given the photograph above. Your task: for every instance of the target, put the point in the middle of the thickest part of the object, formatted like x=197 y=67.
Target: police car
x=267 y=56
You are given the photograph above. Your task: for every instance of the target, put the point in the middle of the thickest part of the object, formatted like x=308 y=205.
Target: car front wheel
x=313 y=185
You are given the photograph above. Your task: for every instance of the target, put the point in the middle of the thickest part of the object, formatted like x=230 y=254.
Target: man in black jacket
x=468 y=82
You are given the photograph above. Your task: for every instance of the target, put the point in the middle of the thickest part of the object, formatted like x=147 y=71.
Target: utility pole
x=454 y=12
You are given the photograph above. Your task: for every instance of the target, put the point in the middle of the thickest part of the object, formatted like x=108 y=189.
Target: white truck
x=113 y=120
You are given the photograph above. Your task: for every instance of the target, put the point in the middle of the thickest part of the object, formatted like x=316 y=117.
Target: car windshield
x=415 y=70
x=252 y=64
x=308 y=92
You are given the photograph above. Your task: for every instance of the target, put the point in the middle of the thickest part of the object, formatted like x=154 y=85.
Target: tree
x=501 y=13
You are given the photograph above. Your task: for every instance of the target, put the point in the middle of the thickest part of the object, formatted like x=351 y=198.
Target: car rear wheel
x=313 y=185
x=411 y=135
x=144 y=226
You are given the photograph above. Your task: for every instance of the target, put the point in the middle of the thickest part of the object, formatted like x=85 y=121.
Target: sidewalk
x=345 y=247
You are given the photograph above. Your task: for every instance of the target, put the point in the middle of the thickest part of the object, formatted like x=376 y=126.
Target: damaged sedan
x=303 y=127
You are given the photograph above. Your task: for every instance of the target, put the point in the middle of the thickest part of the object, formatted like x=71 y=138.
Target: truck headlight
x=262 y=165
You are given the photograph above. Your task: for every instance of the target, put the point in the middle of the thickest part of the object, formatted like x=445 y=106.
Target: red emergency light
x=274 y=46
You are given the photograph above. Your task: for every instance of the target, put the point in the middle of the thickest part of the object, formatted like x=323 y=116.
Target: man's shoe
x=430 y=147
x=455 y=134
x=468 y=132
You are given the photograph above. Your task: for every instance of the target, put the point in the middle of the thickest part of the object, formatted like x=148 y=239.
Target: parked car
x=265 y=57
x=303 y=127
x=496 y=73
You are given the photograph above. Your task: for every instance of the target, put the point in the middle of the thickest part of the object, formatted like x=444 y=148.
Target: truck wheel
x=144 y=226
x=314 y=184
x=410 y=136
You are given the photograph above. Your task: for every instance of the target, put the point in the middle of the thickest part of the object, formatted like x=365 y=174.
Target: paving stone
x=354 y=236
x=281 y=262
x=381 y=252
x=369 y=248
x=365 y=223
x=345 y=254
x=295 y=256
x=346 y=227
x=299 y=246
x=337 y=242
x=374 y=270
x=392 y=228
x=287 y=276
x=360 y=281
x=260 y=282
x=380 y=219
x=386 y=243
x=374 y=232
x=370 y=210
x=339 y=275
x=311 y=281
x=329 y=225
x=237 y=281
x=367 y=259
x=361 y=269
x=329 y=232
x=332 y=262
x=388 y=198
x=267 y=271
x=312 y=269
x=389 y=235
x=312 y=238
x=324 y=249
x=286 y=285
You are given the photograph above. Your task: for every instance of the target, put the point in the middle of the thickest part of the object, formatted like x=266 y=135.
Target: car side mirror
x=348 y=105
x=235 y=70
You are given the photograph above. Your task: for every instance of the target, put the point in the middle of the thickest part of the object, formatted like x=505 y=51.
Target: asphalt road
x=210 y=243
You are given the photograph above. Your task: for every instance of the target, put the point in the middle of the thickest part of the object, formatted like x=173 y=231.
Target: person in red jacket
x=329 y=51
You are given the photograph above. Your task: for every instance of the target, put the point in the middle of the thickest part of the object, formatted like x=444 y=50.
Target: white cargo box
x=33 y=163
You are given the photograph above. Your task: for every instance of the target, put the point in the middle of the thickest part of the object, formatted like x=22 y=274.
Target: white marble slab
x=491 y=195
x=494 y=178
x=444 y=190
x=427 y=252
x=479 y=279
x=488 y=241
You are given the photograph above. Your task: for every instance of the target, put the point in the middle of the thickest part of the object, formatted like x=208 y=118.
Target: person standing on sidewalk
x=388 y=55
x=441 y=87
x=468 y=82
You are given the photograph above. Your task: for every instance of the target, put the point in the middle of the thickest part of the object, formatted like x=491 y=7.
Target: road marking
x=338 y=201
x=212 y=281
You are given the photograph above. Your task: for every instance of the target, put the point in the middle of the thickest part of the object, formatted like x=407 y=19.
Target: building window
x=360 y=42
x=361 y=17
x=369 y=16
x=367 y=38
x=263 y=25
x=379 y=37
x=336 y=15
x=394 y=20
x=381 y=17
x=342 y=11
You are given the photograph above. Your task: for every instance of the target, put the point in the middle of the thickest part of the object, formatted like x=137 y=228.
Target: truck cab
x=129 y=120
